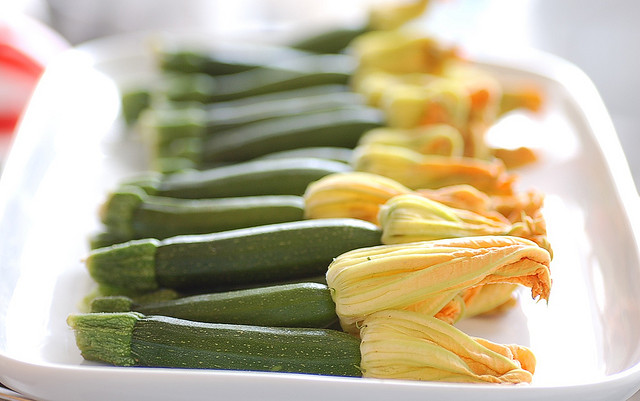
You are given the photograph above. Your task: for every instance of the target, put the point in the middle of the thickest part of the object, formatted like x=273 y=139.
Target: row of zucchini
x=322 y=213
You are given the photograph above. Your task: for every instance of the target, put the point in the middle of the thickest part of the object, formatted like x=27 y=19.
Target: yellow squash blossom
x=425 y=276
x=350 y=194
x=410 y=217
x=418 y=171
x=411 y=346
x=393 y=15
x=401 y=51
x=436 y=139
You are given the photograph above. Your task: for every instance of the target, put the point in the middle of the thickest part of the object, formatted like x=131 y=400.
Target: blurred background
x=599 y=37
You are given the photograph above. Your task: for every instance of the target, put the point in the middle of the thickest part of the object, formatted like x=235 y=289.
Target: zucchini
x=167 y=124
x=129 y=213
x=330 y=41
x=267 y=98
x=263 y=254
x=133 y=339
x=251 y=178
x=133 y=104
x=294 y=74
x=305 y=304
x=107 y=292
x=336 y=153
x=190 y=58
x=341 y=127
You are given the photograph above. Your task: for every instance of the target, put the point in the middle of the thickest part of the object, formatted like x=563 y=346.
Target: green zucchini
x=173 y=165
x=133 y=104
x=219 y=60
x=167 y=124
x=263 y=254
x=133 y=339
x=334 y=40
x=129 y=213
x=341 y=127
x=108 y=292
x=303 y=92
x=259 y=177
x=336 y=153
x=292 y=74
x=304 y=304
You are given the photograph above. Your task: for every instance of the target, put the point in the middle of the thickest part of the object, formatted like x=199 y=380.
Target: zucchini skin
x=133 y=103
x=298 y=73
x=340 y=127
x=336 y=153
x=250 y=178
x=305 y=304
x=133 y=339
x=168 y=124
x=170 y=217
x=129 y=213
x=163 y=341
x=220 y=61
x=263 y=254
x=330 y=41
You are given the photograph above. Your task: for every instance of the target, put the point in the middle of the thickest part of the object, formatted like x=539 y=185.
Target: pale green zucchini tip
x=127 y=265
x=148 y=182
x=117 y=211
x=105 y=337
x=113 y=303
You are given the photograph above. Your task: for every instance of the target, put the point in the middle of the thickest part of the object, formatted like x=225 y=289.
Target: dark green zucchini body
x=306 y=304
x=129 y=213
x=341 y=127
x=167 y=217
x=132 y=339
x=243 y=347
x=260 y=177
x=221 y=60
x=208 y=262
x=133 y=103
x=260 y=254
x=165 y=125
x=294 y=74
x=336 y=153
x=220 y=119
x=334 y=40
x=308 y=91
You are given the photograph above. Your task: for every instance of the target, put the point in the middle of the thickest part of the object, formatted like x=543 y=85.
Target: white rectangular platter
x=71 y=149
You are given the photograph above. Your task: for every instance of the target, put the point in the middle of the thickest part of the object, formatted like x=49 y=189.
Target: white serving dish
x=71 y=149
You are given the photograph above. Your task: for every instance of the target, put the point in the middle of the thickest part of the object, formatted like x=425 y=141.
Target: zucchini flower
x=516 y=207
x=436 y=139
x=407 y=345
x=401 y=52
x=462 y=196
x=483 y=89
x=481 y=300
x=392 y=15
x=372 y=84
x=441 y=101
x=418 y=171
x=523 y=96
x=425 y=276
x=409 y=217
x=488 y=299
x=351 y=194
